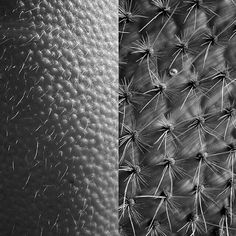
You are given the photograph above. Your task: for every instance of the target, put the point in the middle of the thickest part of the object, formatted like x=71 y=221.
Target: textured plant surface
x=177 y=102
x=58 y=117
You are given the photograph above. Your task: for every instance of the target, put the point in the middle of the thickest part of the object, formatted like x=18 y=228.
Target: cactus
x=177 y=107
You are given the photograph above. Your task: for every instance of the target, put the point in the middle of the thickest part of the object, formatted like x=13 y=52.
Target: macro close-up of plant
x=118 y=117
x=58 y=118
x=177 y=109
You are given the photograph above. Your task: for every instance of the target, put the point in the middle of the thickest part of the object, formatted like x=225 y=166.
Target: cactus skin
x=58 y=102
x=177 y=118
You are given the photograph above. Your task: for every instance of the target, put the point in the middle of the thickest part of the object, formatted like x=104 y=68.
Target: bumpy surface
x=177 y=117
x=58 y=116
